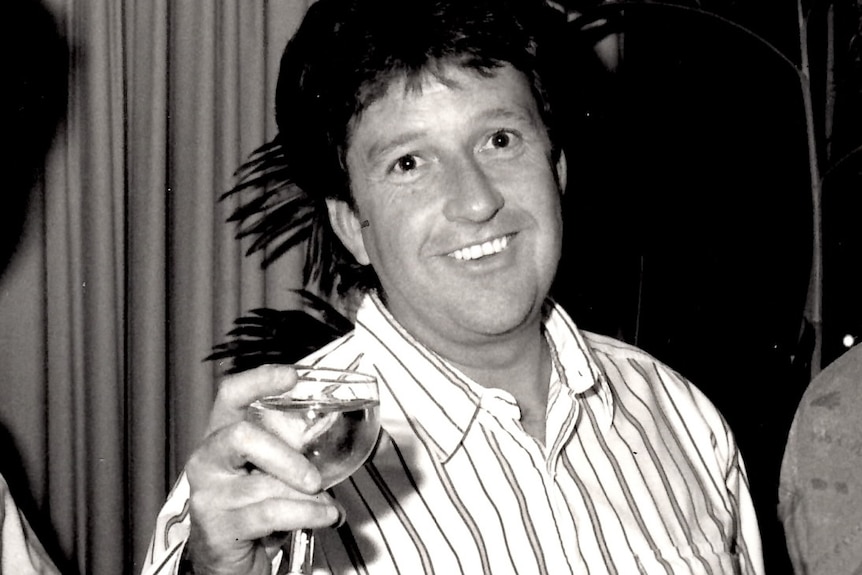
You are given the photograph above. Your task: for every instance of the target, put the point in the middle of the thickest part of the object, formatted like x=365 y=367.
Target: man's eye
x=405 y=164
x=501 y=140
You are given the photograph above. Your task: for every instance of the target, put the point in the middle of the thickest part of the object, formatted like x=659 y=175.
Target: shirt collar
x=575 y=365
x=438 y=401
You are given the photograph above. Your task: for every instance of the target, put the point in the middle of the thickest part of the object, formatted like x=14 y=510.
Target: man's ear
x=562 y=172
x=345 y=222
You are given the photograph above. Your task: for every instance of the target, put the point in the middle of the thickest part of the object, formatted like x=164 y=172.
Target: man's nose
x=473 y=194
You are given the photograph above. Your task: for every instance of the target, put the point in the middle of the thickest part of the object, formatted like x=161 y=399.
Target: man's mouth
x=477 y=251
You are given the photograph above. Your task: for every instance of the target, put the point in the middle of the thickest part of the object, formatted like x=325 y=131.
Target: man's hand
x=249 y=488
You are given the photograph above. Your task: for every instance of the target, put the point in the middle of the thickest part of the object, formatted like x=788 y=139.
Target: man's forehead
x=435 y=73
x=433 y=77
x=424 y=99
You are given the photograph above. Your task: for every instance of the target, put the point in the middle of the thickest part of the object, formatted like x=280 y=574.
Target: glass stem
x=300 y=553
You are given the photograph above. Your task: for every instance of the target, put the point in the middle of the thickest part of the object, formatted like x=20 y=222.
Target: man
x=425 y=133
x=34 y=68
x=820 y=495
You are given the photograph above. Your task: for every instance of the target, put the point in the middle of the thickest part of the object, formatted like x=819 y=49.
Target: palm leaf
x=268 y=335
x=278 y=215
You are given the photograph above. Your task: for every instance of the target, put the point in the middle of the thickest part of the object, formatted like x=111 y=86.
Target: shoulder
x=827 y=422
x=612 y=347
x=836 y=389
x=637 y=377
x=828 y=413
x=820 y=480
x=616 y=356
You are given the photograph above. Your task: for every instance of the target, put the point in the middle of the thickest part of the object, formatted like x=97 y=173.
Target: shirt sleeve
x=748 y=544
x=21 y=552
x=171 y=532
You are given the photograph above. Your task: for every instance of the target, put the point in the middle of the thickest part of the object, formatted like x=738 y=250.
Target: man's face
x=462 y=205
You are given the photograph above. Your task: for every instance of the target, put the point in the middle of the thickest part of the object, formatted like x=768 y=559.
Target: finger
x=228 y=497
x=280 y=515
x=271 y=517
x=233 y=492
x=227 y=536
x=230 y=450
x=256 y=487
x=237 y=391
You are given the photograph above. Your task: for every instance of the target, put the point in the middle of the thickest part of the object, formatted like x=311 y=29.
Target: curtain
x=128 y=272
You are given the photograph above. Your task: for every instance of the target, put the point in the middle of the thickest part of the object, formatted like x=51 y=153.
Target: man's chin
x=499 y=318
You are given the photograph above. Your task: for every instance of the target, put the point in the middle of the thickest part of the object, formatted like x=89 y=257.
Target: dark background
x=689 y=214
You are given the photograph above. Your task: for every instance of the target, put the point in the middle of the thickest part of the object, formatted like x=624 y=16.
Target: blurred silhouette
x=821 y=483
x=34 y=68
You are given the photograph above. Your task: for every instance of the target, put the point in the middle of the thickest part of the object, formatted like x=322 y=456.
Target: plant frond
x=278 y=215
x=268 y=335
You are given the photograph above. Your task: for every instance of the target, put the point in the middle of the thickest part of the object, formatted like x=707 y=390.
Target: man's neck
x=522 y=368
x=518 y=362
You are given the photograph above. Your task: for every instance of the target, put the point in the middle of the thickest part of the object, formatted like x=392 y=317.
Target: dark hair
x=34 y=69
x=344 y=56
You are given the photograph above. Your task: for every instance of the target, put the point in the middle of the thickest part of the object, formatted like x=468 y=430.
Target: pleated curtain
x=129 y=273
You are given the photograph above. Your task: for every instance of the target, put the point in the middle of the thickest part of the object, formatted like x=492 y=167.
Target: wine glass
x=332 y=417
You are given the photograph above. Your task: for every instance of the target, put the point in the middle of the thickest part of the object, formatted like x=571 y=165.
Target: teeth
x=477 y=251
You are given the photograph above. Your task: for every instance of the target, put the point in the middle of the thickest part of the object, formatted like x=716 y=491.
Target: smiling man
x=462 y=196
x=512 y=442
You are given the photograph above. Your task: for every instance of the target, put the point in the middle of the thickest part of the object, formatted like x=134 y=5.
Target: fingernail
x=311 y=480
x=277 y=371
x=338 y=516
x=284 y=373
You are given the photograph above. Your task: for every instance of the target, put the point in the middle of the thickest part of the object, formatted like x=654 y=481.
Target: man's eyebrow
x=520 y=113
x=379 y=149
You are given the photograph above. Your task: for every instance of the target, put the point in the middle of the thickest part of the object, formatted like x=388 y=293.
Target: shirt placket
x=499 y=410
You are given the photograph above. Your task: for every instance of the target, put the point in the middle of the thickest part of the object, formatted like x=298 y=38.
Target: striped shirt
x=639 y=472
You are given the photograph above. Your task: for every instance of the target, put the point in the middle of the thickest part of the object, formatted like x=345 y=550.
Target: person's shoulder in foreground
x=21 y=552
x=820 y=497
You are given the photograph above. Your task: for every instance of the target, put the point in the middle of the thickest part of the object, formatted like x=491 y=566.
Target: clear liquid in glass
x=335 y=435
